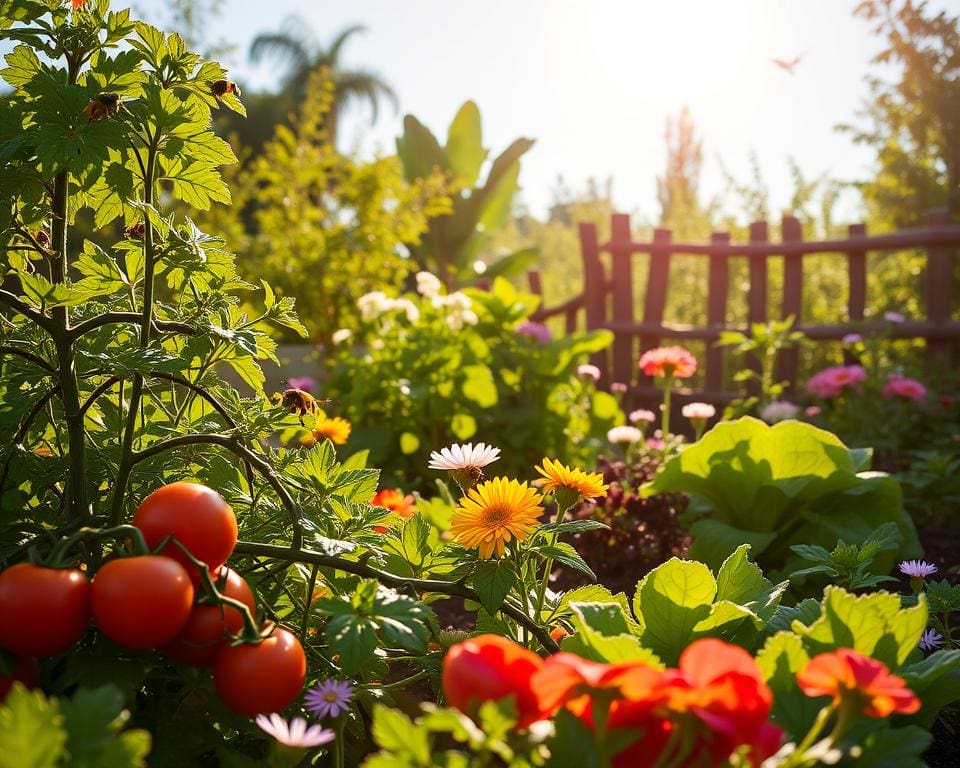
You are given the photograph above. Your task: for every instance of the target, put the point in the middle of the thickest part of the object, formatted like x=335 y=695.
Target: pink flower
x=642 y=414
x=618 y=387
x=655 y=444
x=893 y=317
x=536 y=331
x=831 y=382
x=909 y=389
x=664 y=362
x=306 y=383
x=813 y=411
x=852 y=338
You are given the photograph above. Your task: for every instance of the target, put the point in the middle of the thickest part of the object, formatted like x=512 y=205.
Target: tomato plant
x=197 y=516
x=141 y=602
x=43 y=611
x=208 y=625
x=257 y=678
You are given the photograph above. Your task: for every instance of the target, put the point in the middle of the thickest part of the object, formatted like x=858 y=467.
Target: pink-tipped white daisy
x=465 y=463
x=330 y=698
x=296 y=733
x=917 y=569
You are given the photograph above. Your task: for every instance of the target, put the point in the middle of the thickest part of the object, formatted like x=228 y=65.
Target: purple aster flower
x=917 y=569
x=536 y=331
x=930 y=640
x=295 y=733
x=330 y=698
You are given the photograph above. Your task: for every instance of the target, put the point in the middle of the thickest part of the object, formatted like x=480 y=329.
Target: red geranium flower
x=664 y=362
x=490 y=668
x=851 y=677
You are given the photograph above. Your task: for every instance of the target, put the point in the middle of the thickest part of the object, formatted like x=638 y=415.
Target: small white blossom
x=588 y=372
x=409 y=308
x=374 y=304
x=698 y=411
x=779 y=410
x=641 y=414
x=624 y=435
x=341 y=335
x=428 y=284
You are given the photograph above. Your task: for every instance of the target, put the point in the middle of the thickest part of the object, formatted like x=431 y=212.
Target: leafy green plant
x=83 y=731
x=777 y=486
x=455 y=241
x=848 y=565
x=763 y=344
x=431 y=370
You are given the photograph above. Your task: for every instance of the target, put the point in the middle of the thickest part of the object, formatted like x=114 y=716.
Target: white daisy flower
x=295 y=733
x=461 y=457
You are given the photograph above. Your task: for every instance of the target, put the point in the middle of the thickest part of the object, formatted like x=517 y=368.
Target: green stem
x=798 y=757
x=146 y=326
x=406 y=681
x=665 y=418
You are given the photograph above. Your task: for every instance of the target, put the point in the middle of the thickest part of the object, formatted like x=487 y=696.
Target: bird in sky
x=788 y=66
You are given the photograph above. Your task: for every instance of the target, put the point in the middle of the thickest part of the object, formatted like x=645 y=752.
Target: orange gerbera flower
x=493 y=513
x=664 y=362
x=336 y=429
x=576 y=481
x=849 y=676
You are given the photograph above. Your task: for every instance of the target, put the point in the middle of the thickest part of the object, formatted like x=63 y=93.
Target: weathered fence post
x=621 y=255
x=655 y=295
x=857 y=276
x=594 y=288
x=535 y=283
x=717 y=291
x=792 y=232
x=757 y=295
x=939 y=284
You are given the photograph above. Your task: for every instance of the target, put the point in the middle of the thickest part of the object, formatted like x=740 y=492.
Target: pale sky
x=593 y=82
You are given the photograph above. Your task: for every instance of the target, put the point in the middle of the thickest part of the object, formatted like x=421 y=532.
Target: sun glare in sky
x=594 y=82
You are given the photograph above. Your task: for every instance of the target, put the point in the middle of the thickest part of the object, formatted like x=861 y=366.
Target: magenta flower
x=908 y=389
x=330 y=698
x=306 y=383
x=295 y=733
x=536 y=331
x=917 y=569
x=930 y=640
x=831 y=382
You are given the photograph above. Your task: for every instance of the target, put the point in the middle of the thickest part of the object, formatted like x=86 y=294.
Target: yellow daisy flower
x=560 y=477
x=337 y=429
x=493 y=513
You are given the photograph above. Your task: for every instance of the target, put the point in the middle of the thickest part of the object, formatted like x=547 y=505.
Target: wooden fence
x=607 y=298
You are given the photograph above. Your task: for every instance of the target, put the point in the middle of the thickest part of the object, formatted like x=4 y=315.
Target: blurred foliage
x=436 y=369
x=321 y=226
x=457 y=241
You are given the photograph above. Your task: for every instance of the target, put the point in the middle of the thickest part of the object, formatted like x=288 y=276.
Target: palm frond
x=363 y=84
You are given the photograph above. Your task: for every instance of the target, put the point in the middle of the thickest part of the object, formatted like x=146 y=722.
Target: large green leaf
x=782 y=485
x=873 y=624
x=464 y=151
x=418 y=149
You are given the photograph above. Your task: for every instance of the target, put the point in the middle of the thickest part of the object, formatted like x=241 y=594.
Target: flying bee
x=223 y=87
x=299 y=401
x=102 y=106
x=135 y=231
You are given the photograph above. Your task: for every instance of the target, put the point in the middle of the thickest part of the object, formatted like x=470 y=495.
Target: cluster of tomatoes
x=147 y=602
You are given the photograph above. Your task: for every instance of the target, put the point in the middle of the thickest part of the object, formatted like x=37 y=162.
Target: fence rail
x=607 y=298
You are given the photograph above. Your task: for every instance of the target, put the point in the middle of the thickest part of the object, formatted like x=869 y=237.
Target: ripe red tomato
x=197 y=516
x=141 y=602
x=256 y=679
x=25 y=671
x=43 y=611
x=208 y=625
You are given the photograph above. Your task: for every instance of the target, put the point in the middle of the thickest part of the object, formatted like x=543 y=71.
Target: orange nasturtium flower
x=77 y=4
x=490 y=668
x=493 y=513
x=851 y=677
x=396 y=502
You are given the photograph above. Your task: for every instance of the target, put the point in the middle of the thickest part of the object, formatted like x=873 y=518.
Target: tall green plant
x=455 y=242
